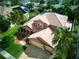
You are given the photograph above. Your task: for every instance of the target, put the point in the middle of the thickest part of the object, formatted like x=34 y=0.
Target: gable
x=62 y=19
x=41 y=17
x=45 y=34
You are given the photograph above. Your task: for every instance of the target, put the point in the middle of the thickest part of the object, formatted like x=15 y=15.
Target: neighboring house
x=41 y=27
x=23 y=8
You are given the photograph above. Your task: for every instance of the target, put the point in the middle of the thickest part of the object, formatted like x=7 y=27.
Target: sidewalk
x=5 y=54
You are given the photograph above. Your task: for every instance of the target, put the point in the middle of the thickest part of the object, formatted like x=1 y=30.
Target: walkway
x=5 y=54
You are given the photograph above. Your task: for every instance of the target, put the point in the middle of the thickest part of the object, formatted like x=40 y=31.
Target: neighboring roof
x=46 y=34
x=23 y=8
x=50 y=19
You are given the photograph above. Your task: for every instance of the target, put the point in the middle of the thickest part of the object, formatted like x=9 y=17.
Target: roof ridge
x=57 y=18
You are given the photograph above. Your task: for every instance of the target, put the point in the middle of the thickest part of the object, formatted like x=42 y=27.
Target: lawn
x=1 y=57
x=11 y=31
x=13 y=48
x=32 y=14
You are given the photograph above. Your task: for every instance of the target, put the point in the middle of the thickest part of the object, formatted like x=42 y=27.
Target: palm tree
x=65 y=38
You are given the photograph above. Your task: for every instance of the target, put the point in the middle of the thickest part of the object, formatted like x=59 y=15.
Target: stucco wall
x=37 y=43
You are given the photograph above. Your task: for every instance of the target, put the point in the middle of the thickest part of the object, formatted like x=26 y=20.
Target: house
x=23 y=8
x=41 y=27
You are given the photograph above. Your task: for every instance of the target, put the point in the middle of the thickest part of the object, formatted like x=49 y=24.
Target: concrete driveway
x=24 y=56
x=35 y=52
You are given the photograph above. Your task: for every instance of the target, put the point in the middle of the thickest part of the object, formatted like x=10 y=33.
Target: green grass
x=11 y=31
x=1 y=57
x=13 y=48
x=32 y=14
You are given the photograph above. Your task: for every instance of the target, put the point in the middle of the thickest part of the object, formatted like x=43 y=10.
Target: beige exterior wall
x=37 y=43
x=48 y=48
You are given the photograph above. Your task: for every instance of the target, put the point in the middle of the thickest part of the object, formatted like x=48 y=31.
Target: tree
x=30 y=5
x=75 y=18
x=42 y=2
x=1 y=0
x=52 y=2
x=15 y=2
x=65 y=39
x=64 y=10
x=16 y=17
x=71 y=2
x=74 y=2
x=4 y=24
x=41 y=8
x=67 y=2
x=4 y=41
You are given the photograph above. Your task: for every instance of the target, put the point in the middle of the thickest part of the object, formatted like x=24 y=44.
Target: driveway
x=33 y=51
x=24 y=56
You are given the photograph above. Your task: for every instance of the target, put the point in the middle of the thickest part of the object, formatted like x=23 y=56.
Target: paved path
x=5 y=54
x=33 y=51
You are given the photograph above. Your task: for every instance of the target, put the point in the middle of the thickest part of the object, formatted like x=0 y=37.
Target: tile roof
x=46 y=34
x=50 y=19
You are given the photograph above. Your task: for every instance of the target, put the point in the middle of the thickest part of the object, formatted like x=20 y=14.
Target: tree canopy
x=65 y=39
x=4 y=24
x=16 y=17
x=15 y=2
